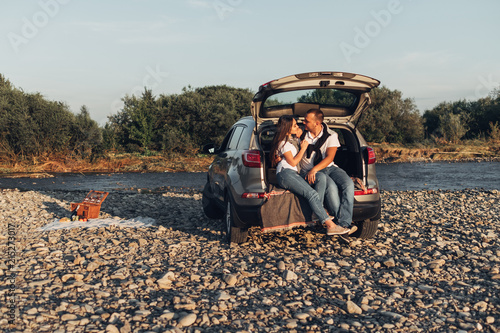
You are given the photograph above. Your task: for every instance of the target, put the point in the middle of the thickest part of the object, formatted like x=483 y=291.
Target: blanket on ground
x=137 y=222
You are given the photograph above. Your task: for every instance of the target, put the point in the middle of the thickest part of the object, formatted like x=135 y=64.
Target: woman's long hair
x=284 y=126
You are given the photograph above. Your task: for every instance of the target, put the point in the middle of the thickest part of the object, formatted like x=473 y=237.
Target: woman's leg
x=320 y=185
x=289 y=179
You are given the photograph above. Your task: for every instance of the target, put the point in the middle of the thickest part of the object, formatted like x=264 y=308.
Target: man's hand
x=311 y=176
x=277 y=159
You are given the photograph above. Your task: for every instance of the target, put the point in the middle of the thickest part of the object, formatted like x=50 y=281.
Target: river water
x=396 y=176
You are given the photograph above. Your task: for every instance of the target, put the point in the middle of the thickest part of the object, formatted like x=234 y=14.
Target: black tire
x=233 y=233
x=210 y=207
x=366 y=229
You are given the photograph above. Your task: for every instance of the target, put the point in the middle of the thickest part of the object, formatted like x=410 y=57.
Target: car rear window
x=323 y=97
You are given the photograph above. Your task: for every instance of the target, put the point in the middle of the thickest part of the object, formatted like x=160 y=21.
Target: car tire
x=366 y=229
x=233 y=233
x=210 y=207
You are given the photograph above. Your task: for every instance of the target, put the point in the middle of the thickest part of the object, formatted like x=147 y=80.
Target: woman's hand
x=304 y=144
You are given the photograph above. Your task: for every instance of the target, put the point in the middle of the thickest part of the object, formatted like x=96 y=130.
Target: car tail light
x=367 y=191
x=251 y=158
x=253 y=195
x=371 y=155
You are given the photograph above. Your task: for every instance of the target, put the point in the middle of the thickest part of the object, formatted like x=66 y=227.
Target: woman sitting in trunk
x=287 y=171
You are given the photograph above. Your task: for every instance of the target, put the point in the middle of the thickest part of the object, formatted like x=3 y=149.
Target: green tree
x=143 y=118
x=390 y=118
x=328 y=97
x=134 y=128
x=483 y=112
x=494 y=132
x=87 y=135
x=200 y=115
x=473 y=117
x=452 y=126
x=31 y=125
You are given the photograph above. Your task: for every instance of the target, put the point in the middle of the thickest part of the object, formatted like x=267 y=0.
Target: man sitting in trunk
x=323 y=144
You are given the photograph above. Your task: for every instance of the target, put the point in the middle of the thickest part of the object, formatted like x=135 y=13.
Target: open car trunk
x=348 y=156
x=283 y=209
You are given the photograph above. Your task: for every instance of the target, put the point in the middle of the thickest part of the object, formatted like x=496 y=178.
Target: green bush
x=390 y=118
x=30 y=125
x=178 y=122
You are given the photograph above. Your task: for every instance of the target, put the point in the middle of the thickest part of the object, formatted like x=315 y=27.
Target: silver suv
x=241 y=186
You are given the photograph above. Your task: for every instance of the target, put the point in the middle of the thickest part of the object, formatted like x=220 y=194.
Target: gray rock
x=289 y=275
x=296 y=279
x=353 y=308
x=389 y=263
x=187 y=320
x=112 y=329
x=68 y=317
x=230 y=279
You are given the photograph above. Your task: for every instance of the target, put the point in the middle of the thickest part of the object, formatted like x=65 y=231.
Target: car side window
x=244 y=142
x=224 y=144
x=235 y=138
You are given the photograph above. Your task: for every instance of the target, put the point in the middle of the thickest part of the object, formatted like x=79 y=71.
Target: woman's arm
x=294 y=160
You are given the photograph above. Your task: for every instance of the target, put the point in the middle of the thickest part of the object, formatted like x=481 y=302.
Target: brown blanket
x=284 y=210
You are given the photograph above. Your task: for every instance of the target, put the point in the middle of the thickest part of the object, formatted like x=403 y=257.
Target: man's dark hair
x=318 y=114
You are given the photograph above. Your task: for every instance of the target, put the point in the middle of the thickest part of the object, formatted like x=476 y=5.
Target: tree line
x=31 y=125
x=177 y=122
x=394 y=119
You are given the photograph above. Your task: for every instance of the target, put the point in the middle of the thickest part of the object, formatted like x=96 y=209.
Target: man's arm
x=330 y=155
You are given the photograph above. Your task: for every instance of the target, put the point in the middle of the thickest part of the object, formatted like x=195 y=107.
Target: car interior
x=300 y=109
x=347 y=157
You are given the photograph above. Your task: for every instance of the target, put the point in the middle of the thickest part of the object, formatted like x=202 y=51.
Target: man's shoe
x=352 y=230
x=337 y=230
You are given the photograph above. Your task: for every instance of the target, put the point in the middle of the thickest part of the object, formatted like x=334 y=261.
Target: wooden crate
x=90 y=207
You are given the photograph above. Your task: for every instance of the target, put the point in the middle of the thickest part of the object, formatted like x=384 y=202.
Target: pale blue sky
x=94 y=52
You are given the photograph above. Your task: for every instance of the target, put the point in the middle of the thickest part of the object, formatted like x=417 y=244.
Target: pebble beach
x=433 y=266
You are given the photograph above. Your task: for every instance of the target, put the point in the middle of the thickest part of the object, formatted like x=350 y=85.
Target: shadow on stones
x=183 y=212
x=180 y=211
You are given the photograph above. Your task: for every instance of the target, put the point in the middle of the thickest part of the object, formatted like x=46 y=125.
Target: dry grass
x=43 y=166
x=110 y=163
x=466 y=151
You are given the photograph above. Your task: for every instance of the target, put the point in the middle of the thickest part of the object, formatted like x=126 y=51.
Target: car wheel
x=234 y=234
x=210 y=207
x=366 y=229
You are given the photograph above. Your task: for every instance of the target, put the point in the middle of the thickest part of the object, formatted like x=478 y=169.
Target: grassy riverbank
x=112 y=162
x=474 y=150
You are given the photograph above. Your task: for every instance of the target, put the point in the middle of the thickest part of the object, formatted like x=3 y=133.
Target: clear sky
x=89 y=52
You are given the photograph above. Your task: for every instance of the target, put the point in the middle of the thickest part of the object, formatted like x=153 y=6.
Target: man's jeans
x=339 y=195
x=289 y=179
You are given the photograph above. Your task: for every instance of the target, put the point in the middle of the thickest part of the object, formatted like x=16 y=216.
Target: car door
x=223 y=161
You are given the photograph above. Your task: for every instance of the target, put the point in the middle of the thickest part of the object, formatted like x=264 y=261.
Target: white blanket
x=136 y=222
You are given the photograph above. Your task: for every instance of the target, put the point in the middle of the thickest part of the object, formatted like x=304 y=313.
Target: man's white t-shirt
x=283 y=164
x=306 y=164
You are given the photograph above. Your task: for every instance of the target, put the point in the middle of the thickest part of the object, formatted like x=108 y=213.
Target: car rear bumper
x=367 y=207
x=366 y=211
x=248 y=214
